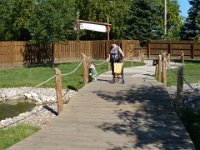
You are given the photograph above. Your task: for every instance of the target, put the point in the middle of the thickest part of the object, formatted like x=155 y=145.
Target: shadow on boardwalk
x=153 y=121
x=137 y=115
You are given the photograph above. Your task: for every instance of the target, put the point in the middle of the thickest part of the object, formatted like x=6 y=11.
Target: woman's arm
x=121 y=52
x=108 y=58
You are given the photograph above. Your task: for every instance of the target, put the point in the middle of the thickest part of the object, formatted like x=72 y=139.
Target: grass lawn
x=30 y=77
x=15 y=134
x=191 y=73
x=190 y=118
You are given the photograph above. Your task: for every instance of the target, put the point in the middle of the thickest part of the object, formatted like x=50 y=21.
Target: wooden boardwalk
x=103 y=116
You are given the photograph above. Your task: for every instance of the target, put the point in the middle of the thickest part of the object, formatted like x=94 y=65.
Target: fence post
x=192 y=50
x=179 y=95
x=142 y=57
x=164 y=72
x=182 y=58
x=85 y=70
x=59 y=89
x=159 y=67
x=131 y=56
x=156 y=71
x=149 y=49
x=168 y=58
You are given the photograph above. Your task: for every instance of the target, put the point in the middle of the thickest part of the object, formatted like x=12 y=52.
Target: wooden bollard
x=85 y=70
x=142 y=57
x=59 y=90
x=159 y=67
x=179 y=96
x=164 y=72
x=182 y=58
x=168 y=58
x=156 y=71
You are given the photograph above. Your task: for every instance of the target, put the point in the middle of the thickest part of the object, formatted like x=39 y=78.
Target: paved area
x=137 y=115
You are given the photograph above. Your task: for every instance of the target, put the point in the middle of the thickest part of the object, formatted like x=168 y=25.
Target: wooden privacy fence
x=25 y=54
x=190 y=49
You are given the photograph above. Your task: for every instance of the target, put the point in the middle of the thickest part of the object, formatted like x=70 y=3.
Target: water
x=12 y=109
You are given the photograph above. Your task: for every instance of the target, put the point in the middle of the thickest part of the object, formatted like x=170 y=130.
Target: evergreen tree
x=143 y=20
x=191 y=28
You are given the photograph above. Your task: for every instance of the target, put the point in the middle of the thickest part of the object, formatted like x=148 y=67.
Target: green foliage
x=52 y=21
x=13 y=135
x=191 y=120
x=143 y=20
x=30 y=77
x=47 y=21
x=191 y=28
x=98 y=11
x=6 y=7
x=174 y=21
x=190 y=75
x=15 y=19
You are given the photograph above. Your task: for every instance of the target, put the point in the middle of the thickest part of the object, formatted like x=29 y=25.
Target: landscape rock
x=44 y=99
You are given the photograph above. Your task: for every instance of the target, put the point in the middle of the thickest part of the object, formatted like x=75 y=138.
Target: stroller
x=119 y=71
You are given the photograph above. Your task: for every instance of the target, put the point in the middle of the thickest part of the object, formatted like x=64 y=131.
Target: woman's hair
x=113 y=41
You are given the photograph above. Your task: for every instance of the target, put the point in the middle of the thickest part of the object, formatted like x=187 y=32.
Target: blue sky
x=184 y=7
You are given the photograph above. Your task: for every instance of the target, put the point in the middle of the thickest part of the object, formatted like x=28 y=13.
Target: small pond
x=12 y=108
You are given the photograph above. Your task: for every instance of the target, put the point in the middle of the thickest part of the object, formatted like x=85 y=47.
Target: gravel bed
x=42 y=113
x=191 y=96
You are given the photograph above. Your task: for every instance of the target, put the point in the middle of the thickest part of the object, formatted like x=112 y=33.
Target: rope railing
x=101 y=63
x=66 y=74
x=42 y=83
x=177 y=70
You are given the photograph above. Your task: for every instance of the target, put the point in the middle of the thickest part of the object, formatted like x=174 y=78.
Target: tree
x=6 y=7
x=20 y=19
x=174 y=20
x=191 y=28
x=98 y=11
x=15 y=19
x=143 y=21
x=52 y=21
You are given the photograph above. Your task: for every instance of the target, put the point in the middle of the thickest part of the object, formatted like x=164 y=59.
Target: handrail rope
x=73 y=70
x=183 y=78
x=101 y=63
x=41 y=83
x=32 y=87
x=173 y=70
x=36 y=87
x=189 y=84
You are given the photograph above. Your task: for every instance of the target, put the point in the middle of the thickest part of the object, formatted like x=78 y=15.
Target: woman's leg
x=122 y=75
x=113 y=74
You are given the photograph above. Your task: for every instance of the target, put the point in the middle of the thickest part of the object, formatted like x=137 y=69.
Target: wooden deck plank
x=102 y=116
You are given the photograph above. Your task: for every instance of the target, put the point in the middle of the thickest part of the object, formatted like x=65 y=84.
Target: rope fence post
x=159 y=67
x=182 y=58
x=142 y=57
x=85 y=70
x=131 y=56
x=164 y=72
x=59 y=89
x=168 y=58
x=156 y=71
x=179 y=96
